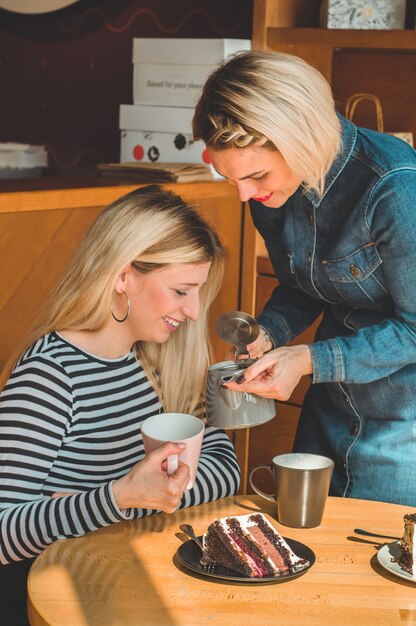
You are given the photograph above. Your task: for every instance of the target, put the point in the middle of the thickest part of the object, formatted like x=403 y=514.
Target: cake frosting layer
x=407 y=560
x=250 y=545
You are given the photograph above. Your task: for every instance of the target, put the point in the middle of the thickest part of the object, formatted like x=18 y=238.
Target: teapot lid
x=238 y=328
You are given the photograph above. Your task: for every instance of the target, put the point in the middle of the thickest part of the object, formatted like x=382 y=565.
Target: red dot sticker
x=138 y=152
x=205 y=157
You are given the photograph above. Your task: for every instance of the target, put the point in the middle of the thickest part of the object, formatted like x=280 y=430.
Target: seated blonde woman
x=124 y=337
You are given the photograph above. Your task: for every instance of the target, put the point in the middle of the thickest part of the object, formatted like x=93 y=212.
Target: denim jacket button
x=355 y=271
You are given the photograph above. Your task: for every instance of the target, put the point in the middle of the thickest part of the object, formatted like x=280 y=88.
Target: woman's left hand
x=276 y=374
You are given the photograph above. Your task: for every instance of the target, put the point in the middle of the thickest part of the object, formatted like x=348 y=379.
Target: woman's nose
x=192 y=309
x=246 y=190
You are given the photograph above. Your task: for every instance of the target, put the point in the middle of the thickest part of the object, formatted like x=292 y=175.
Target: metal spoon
x=207 y=563
x=189 y=531
x=366 y=533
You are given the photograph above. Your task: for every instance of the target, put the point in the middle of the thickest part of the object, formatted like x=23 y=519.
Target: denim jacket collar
x=349 y=136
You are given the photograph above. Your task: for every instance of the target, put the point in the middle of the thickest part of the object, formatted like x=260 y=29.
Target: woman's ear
x=122 y=278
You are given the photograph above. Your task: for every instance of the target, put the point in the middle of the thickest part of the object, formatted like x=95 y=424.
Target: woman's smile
x=171 y=323
x=263 y=198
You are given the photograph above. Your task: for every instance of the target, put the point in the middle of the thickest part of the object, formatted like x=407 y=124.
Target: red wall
x=64 y=74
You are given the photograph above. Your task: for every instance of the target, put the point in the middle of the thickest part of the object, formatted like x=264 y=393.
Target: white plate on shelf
x=34 y=6
x=387 y=556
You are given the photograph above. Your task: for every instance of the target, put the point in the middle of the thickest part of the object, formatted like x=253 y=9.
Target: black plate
x=189 y=555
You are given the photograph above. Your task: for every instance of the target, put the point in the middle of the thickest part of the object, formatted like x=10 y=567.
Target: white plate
x=34 y=6
x=387 y=556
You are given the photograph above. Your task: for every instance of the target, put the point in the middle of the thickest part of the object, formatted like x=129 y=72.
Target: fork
x=189 y=531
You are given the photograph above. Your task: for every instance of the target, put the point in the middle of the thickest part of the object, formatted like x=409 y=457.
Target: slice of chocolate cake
x=250 y=545
x=407 y=560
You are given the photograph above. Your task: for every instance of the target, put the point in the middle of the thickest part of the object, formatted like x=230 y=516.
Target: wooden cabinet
x=40 y=229
x=382 y=62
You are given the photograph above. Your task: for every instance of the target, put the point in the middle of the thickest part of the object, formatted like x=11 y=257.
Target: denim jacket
x=351 y=255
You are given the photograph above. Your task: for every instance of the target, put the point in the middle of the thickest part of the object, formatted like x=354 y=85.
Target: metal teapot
x=226 y=408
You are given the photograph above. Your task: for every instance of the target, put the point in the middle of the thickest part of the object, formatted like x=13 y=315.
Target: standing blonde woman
x=335 y=205
x=124 y=337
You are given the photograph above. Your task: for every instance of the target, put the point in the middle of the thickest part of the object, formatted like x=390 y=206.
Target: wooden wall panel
x=226 y=217
x=34 y=252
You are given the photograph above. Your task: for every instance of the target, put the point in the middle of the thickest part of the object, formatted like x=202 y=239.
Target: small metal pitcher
x=234 y=409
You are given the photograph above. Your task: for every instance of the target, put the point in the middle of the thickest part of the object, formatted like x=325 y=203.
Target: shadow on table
x=95 y=570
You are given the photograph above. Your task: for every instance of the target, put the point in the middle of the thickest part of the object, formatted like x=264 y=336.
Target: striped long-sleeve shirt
x=70 y=422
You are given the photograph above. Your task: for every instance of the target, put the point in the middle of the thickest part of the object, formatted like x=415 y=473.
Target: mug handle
x=256 y=489
x=172 y=464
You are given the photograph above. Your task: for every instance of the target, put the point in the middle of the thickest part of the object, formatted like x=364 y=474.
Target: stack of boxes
x=168 y=75
x=21 y=160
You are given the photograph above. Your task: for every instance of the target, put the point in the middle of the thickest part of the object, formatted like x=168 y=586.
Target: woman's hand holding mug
x=147 y=485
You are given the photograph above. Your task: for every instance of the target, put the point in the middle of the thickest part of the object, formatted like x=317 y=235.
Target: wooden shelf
x=66 y=193
x=334 y=38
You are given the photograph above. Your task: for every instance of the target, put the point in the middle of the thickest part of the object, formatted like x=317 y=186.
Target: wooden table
x=126 y=575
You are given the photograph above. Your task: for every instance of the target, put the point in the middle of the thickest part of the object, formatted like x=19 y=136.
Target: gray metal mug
x=301 y=483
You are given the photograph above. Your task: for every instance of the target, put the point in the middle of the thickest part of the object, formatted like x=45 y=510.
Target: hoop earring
x=128 y=310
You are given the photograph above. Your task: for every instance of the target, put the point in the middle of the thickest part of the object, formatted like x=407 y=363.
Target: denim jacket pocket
x=355 y=277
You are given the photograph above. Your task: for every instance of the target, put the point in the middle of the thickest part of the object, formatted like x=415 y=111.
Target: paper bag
x=356 y=98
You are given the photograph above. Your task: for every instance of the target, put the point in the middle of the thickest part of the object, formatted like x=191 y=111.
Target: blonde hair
x=276 y=101
x=151 y=228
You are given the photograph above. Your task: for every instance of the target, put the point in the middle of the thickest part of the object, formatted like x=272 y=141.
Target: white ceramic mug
x=179 y=428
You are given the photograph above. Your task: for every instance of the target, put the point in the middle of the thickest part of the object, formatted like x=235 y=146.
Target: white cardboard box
x=154 y=118
x=168 y=85
x=147 y=146
x=182 y=51
x=21 y=155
